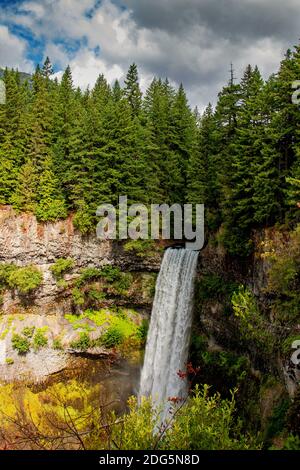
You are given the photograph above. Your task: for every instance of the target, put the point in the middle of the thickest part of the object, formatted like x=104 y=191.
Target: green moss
x=4 y=334
x=9 y=361
x=119 y=319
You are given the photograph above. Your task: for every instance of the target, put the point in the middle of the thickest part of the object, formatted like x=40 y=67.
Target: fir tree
x=132 y=90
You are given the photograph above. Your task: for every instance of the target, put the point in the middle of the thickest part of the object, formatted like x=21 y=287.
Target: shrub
x=28 y=331
x=292 y=443
x=5 y=272
x=61 y=266
x=142 y=331
x=82 y=343
x=112 y=337
x=83 y=221
x=25 y=279
x=110 y=273
x=252 y=325
x=40 y=340
x=57 y=344
x=88 y=274
x=78 y=296
x=123 y=283
x=20 y=343
x=204 y=422
x=141 y=248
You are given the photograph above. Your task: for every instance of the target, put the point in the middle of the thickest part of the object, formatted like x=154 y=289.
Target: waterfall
x=170 y=328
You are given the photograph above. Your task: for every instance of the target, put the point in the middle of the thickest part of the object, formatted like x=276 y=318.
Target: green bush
x=292 y=443
x=88 y=274
x=252 y=325
x=28 y=331
x=112 y=337
x=78 y=296
x=84 y=221
x=110 y=273
x=40 y=340
x=141 y=248
x=57 y=344
x=25 y=279
x=20 y=343
x=5 y=272
x=204 y=422
x=123 y=283
x=142 y=331
x=61 y=266
x=82 y=343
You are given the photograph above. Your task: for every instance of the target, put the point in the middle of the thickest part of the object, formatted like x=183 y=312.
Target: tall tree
x=132 y=90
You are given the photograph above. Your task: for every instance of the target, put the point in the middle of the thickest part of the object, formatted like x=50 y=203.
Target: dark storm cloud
x=208 y=35
x=226 y=18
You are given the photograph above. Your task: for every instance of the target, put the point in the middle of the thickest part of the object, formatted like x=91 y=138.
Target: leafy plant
x=252 y=325
x=142 y=331
x=61 y=266
x=112 y=337
x=20 y=343
x=78 y=296
x=28 y=331
x=57 y=344
x=25 y=279
x=40 y=340
x=82 y=343
x=142 y=248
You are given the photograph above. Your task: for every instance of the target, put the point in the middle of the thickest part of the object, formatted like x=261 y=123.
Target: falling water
x=170 y=328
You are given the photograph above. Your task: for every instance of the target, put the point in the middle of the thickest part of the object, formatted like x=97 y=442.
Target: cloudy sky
x=190 y=41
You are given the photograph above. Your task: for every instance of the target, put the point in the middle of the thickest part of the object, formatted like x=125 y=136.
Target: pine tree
x=132 y=90
x=13 y=133
x=26 y=193
x=202 y=171
x=246 y=155
x=50 y=202
x=47 y=69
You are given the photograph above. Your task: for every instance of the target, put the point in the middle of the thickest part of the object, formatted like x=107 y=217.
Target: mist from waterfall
x=169 y=333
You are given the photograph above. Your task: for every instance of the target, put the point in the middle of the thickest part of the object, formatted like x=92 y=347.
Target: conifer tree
x=132 y=90
x=50 y=202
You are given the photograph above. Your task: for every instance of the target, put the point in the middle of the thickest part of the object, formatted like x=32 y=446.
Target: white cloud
x=13 y=51
x=190 y=41
x=86 y=68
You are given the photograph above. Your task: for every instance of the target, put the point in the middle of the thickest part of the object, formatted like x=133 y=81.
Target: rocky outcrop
x=24 y=241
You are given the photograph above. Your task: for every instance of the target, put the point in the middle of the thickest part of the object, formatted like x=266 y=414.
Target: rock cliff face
x=23 y=241
x=222 y=329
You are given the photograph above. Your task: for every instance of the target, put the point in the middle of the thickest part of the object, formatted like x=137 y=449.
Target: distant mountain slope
x=24 y=76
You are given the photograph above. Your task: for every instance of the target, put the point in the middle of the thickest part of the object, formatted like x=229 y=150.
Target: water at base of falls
x=170 y=329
